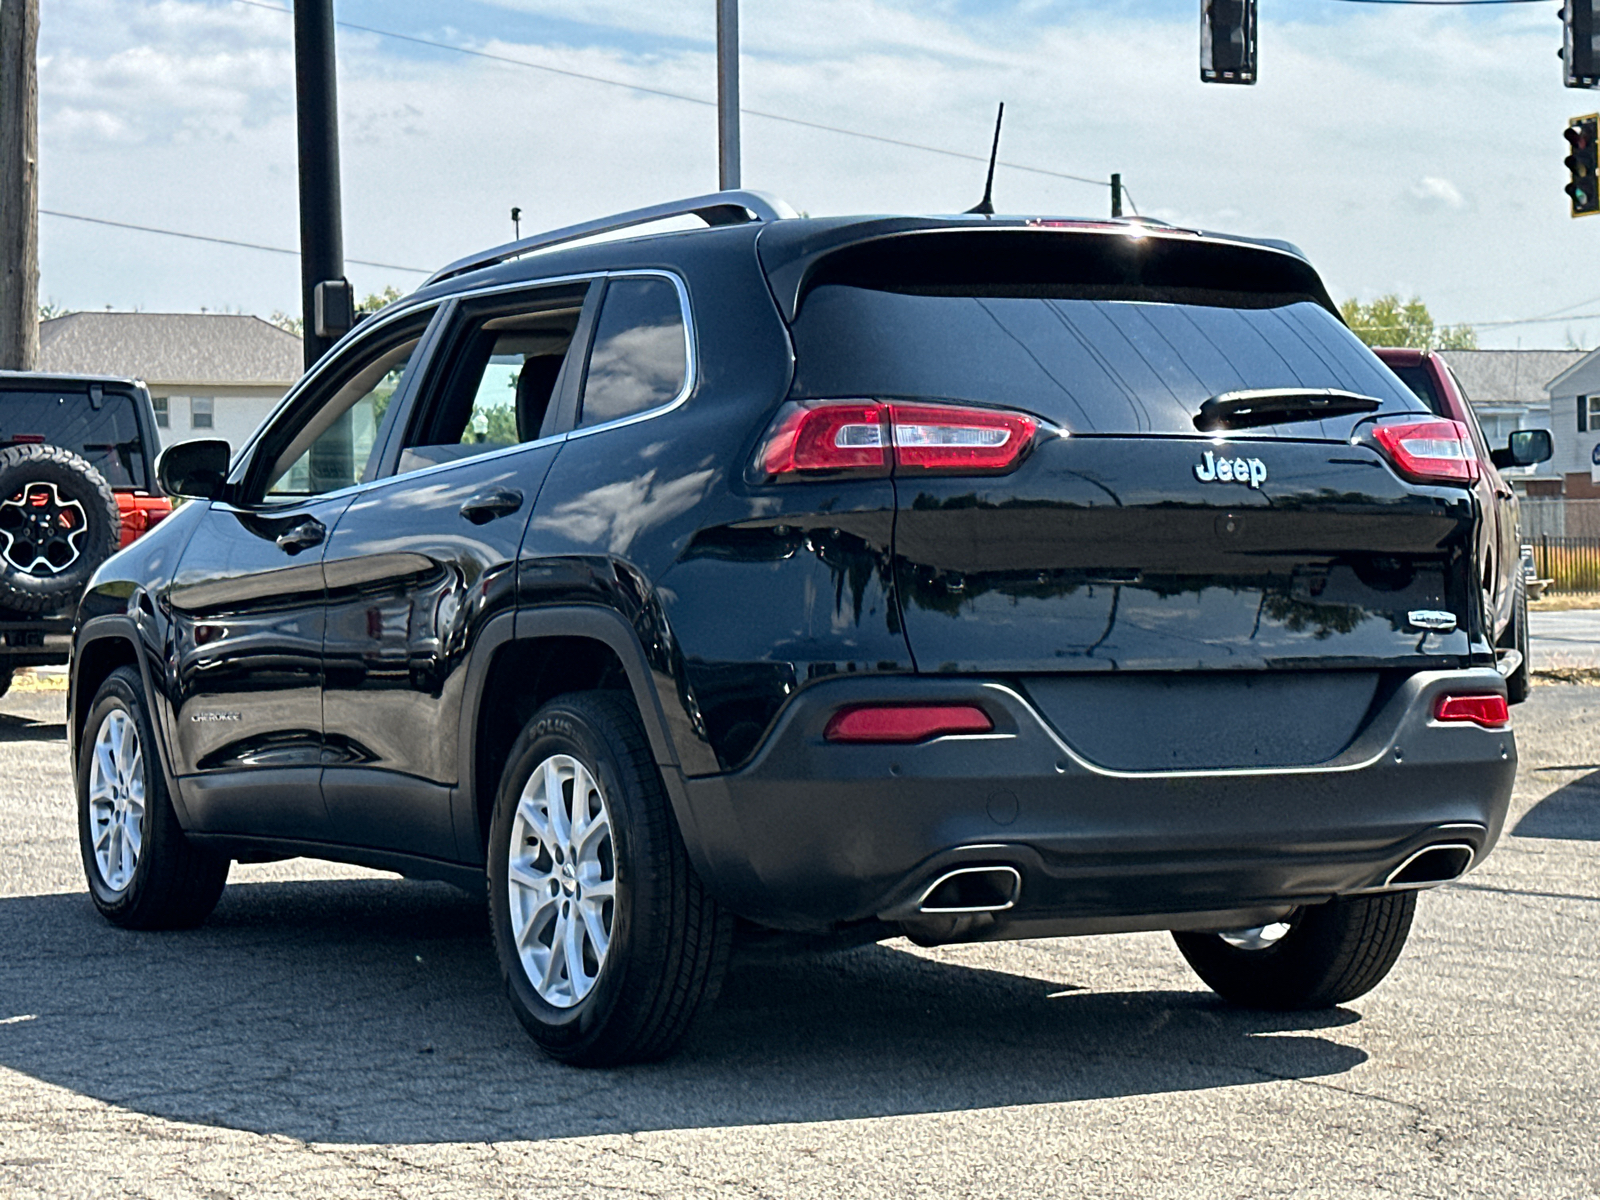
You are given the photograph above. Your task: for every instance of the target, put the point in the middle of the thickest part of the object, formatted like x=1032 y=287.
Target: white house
x=1575 y=424
x=209 y=374
x=1507 y=391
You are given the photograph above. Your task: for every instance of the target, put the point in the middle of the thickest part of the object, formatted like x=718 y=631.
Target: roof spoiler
x=716 y=208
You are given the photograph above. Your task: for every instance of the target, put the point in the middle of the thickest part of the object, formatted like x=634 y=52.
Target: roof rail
x=717 y=208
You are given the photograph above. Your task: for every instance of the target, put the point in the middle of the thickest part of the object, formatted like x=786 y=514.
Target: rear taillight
x=902 y=723
x=1489 y=710
x=1431 y=451
x=870 y=437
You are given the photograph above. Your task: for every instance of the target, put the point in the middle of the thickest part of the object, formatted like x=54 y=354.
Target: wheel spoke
x=523 y=875
x=576 y=975
x=552 y=966
x=595 y=926
x=536 y=912
x=599 y=889
x=556 y=803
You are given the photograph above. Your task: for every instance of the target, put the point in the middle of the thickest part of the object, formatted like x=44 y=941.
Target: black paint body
x=1137 y=633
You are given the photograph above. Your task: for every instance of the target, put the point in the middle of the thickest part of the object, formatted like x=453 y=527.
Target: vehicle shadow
x=25 y=729
x=371 y=1011
x=1571 y=812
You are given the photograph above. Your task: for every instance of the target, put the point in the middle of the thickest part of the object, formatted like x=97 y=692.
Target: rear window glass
x=1115 y=366
x=1419 y=381
x=108 y=436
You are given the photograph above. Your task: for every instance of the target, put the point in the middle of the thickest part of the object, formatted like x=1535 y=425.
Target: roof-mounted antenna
x=985 y=207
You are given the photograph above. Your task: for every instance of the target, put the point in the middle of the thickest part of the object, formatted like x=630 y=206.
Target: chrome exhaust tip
x=1432 y=864
x=972 y=890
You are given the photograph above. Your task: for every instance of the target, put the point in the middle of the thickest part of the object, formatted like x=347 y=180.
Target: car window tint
x=640 y=357
x=335 y=447
x=107 y=433
x=1094 y=366
x=499 y=388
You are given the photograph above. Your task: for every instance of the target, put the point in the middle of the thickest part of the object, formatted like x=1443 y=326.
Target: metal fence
x=1572 y=564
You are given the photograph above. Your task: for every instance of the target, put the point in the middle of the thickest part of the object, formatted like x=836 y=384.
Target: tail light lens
x=903 y=723
x=1489 y=711
x=1432 y=451
x=870 y=437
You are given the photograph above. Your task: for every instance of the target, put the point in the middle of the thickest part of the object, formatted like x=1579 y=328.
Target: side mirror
x=1524 y=448
x=196 y=470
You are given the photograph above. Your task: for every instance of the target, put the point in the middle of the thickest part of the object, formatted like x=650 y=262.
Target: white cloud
x=1434 y=193
x=1361 y=136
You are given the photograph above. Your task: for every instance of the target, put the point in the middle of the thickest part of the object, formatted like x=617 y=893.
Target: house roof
x=164 y=349
x=1509 y=376
x=1581 y=376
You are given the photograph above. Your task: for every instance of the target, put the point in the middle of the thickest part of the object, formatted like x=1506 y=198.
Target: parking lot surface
x=336 y=1032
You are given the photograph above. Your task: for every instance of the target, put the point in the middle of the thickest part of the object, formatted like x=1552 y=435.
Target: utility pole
x=1116 y=193
x=727 y=94
x=324 y=293
x=19 y=185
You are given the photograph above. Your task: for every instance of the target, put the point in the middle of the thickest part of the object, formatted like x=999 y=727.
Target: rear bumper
x=811 y=835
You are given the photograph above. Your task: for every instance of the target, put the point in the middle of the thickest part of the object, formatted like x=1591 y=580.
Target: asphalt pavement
x=337 y=1032
x=1565 y=640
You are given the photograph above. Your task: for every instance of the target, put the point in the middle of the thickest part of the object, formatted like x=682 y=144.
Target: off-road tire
x=43 y=589
x=1332 y=953
x=175 y=884
x=669 y=939
x=1520 y=681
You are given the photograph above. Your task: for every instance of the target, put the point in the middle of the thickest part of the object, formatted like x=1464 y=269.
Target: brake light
x=1489 y=711
x=903 y=723
x=869 y=437
x=1431 y=451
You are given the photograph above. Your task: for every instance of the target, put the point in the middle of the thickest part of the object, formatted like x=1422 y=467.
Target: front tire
x=1328 y=954
x=143 y=872
x=609 y=944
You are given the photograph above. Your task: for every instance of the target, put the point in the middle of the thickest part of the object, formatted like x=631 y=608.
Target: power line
x=749 y=112
x=200 y=237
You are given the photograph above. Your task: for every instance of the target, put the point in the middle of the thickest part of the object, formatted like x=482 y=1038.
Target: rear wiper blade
x=1279 y=406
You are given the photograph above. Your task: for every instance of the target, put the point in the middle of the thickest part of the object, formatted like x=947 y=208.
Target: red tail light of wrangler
x=1431 y=451
x=1489 y=711
x=869 y=437
x=902 y=723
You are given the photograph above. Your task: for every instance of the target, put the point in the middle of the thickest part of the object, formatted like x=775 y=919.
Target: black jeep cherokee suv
x=960 y=578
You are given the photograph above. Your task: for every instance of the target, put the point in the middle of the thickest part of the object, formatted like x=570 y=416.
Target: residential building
x=1507 y=390
x=209 y=374
x=1575 y=426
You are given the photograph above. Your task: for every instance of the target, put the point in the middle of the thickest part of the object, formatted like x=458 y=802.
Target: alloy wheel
x=42 y=532
x=116 y=799
x=563 y=880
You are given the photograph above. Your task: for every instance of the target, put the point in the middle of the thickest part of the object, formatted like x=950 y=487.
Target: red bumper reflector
x=906 y=723
x=1489 y=711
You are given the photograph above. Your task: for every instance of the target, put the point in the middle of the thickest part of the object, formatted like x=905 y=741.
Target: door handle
x=306 y=534
x=496 y=502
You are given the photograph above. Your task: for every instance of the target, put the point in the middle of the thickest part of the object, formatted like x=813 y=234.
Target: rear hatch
x=1170 y=596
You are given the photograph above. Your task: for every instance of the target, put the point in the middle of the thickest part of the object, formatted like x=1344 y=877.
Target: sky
x=1406 y=149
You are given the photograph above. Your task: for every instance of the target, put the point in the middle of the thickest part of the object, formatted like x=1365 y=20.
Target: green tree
x=1390 y=321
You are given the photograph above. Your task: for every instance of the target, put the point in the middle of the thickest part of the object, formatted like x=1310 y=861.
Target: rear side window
x=1117 y=366
x=106 y=434
x=640 y=358
x=1419 y=381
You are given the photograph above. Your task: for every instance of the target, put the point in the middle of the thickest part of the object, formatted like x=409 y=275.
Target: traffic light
x=1580 y=57
x=1228 y=40
x=1583 y=164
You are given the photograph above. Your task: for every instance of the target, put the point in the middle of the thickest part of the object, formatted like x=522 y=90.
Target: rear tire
x=1520 y=682
x=1331 y=953
x=609 y=944
x=143 y=872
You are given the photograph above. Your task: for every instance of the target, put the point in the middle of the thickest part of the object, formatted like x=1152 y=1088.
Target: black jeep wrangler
x=962 y=578
x=76 y=482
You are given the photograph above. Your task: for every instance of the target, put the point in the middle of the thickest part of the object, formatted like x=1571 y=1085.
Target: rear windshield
x=108 y=436
x=1113 y=366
